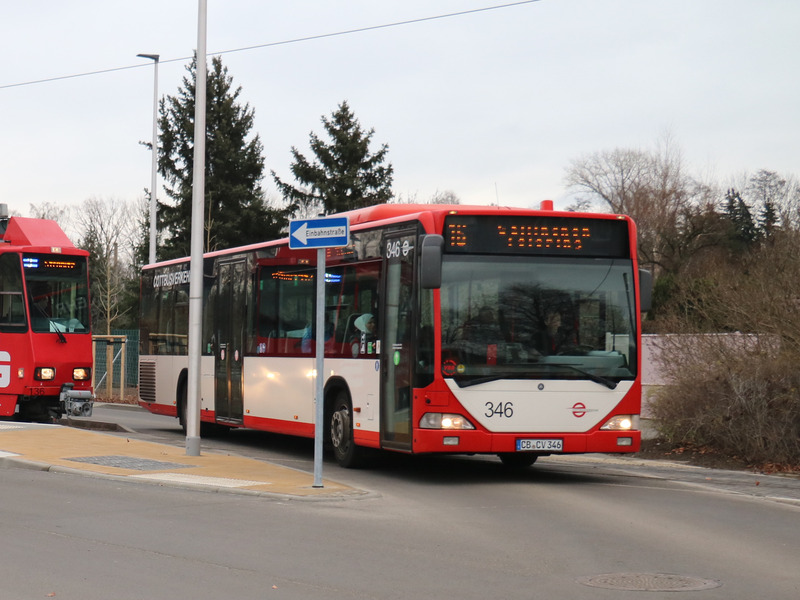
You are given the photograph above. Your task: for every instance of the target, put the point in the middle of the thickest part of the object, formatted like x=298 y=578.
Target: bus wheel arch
x=339 y=429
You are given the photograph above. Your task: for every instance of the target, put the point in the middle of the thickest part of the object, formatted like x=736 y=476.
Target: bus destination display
x=547 y=236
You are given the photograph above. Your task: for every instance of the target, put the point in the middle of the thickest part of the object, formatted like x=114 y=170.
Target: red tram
x=45 y=323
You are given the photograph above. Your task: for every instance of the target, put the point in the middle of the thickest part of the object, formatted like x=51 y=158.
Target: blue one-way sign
x=328 y=232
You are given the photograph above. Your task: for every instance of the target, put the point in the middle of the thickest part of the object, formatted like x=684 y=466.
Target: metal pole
x=196 y=263
x=154 y=162
x=320 y=368
x=123 y=358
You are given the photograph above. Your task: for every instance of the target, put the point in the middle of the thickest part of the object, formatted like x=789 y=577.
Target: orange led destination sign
x=556 y=236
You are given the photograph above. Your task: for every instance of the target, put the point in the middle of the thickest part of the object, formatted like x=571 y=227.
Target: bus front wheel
x=518 y=460
x=347 y=454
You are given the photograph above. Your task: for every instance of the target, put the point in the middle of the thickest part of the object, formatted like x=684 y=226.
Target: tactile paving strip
x=130 y=462
x=201 y=480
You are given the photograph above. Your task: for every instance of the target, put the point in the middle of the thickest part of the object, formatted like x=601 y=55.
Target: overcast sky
x=491 y=105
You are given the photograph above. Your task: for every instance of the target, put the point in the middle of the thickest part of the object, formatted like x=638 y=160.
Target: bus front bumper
x=480 y=442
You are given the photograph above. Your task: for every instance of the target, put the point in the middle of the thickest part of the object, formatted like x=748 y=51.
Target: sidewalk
x=60 y=448
x=67 y=449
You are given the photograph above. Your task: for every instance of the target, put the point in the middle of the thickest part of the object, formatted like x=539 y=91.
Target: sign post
x=322 y=233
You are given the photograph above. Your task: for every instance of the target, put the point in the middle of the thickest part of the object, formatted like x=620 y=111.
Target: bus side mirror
x=430 y=263
x=645 y=290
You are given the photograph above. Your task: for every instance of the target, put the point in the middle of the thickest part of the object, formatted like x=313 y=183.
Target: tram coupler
x=76 y=403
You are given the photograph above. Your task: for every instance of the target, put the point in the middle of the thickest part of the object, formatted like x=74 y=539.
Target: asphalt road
x=431 y=528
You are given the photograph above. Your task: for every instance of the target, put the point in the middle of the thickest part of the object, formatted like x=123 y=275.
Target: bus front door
x=229 y=313
x=397 y=340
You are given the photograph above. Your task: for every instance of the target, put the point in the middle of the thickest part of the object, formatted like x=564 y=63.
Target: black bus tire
x=347 y=454
x=182 y=401
x=518 y=460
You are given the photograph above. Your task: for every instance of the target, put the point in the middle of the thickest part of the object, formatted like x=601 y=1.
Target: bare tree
x=777 y=199
x=109 y=227
x=50 y=210
x=650 y=186
x=445 y=197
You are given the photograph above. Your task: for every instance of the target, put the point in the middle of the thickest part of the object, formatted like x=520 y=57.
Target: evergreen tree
x=768 y=189
x=768 y=219
x=235 y=210
x=743 y=231
x=345 y=175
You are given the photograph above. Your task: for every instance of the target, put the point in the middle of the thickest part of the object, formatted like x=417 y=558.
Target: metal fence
x=131 y=354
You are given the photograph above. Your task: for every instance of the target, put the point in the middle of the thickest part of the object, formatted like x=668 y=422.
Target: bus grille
x=147 y=380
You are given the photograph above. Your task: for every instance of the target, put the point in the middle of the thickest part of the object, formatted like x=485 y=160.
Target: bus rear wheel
x=347 y=454
x=518 y=460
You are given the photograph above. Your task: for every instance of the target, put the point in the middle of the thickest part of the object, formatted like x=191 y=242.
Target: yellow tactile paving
x=56 y=445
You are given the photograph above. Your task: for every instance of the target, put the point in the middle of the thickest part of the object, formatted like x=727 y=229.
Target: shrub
x=737 y=394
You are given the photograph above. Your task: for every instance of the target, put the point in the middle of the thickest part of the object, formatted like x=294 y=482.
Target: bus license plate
x=540 y=445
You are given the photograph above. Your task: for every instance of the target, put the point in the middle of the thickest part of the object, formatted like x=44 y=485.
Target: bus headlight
x=621 y=423
x=44 y=373
x=81 y=374
x=444 y=421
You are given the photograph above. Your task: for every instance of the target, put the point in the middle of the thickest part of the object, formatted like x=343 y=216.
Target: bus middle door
x=229 y=316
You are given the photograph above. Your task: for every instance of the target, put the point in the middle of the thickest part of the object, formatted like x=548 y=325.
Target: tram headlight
x=44 y=373
x=621 y=423
x=81 y=374
x=444 y=421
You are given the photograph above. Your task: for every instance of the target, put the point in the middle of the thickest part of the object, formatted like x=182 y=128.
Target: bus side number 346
x=499 y=409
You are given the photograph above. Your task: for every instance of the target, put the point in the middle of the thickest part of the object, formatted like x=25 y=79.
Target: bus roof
x=389 y=212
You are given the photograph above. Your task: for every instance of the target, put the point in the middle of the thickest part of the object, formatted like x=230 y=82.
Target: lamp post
x=153 y=177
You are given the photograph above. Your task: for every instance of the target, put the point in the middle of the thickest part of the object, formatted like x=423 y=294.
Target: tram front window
x=58 y=299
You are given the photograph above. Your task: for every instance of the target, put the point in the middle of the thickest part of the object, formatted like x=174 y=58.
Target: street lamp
x=154 y=174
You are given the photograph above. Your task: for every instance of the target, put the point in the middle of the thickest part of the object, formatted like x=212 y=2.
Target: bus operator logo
x=170 y=279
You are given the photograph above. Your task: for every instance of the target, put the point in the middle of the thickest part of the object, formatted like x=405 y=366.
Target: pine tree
x=769 y=190
x=345 y=175
x=744 y=232
x=768 y=219
x=235 y=210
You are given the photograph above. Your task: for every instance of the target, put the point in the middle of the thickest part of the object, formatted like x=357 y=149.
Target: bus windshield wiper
x=462 y=382
x=609 y=383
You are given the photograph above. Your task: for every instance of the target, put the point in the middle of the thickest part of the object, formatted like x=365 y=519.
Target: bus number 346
x=499 y=409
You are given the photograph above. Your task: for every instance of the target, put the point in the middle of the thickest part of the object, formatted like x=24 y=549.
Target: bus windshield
x=517 y=317
x=58 y=296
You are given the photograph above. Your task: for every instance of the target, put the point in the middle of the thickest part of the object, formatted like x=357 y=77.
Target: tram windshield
x=58 y=293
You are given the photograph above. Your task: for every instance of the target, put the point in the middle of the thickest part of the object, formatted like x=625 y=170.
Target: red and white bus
x=450 y=329
x=45 y=325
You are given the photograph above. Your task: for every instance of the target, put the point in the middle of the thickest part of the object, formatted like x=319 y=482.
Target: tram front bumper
x=76 y=403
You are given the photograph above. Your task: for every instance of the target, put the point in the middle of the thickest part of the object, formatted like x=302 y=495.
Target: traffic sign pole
x=319 y=398
x=322 y=233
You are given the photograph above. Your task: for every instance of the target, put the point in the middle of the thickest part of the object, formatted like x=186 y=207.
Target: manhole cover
x=129 y=462
x=649 y=582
